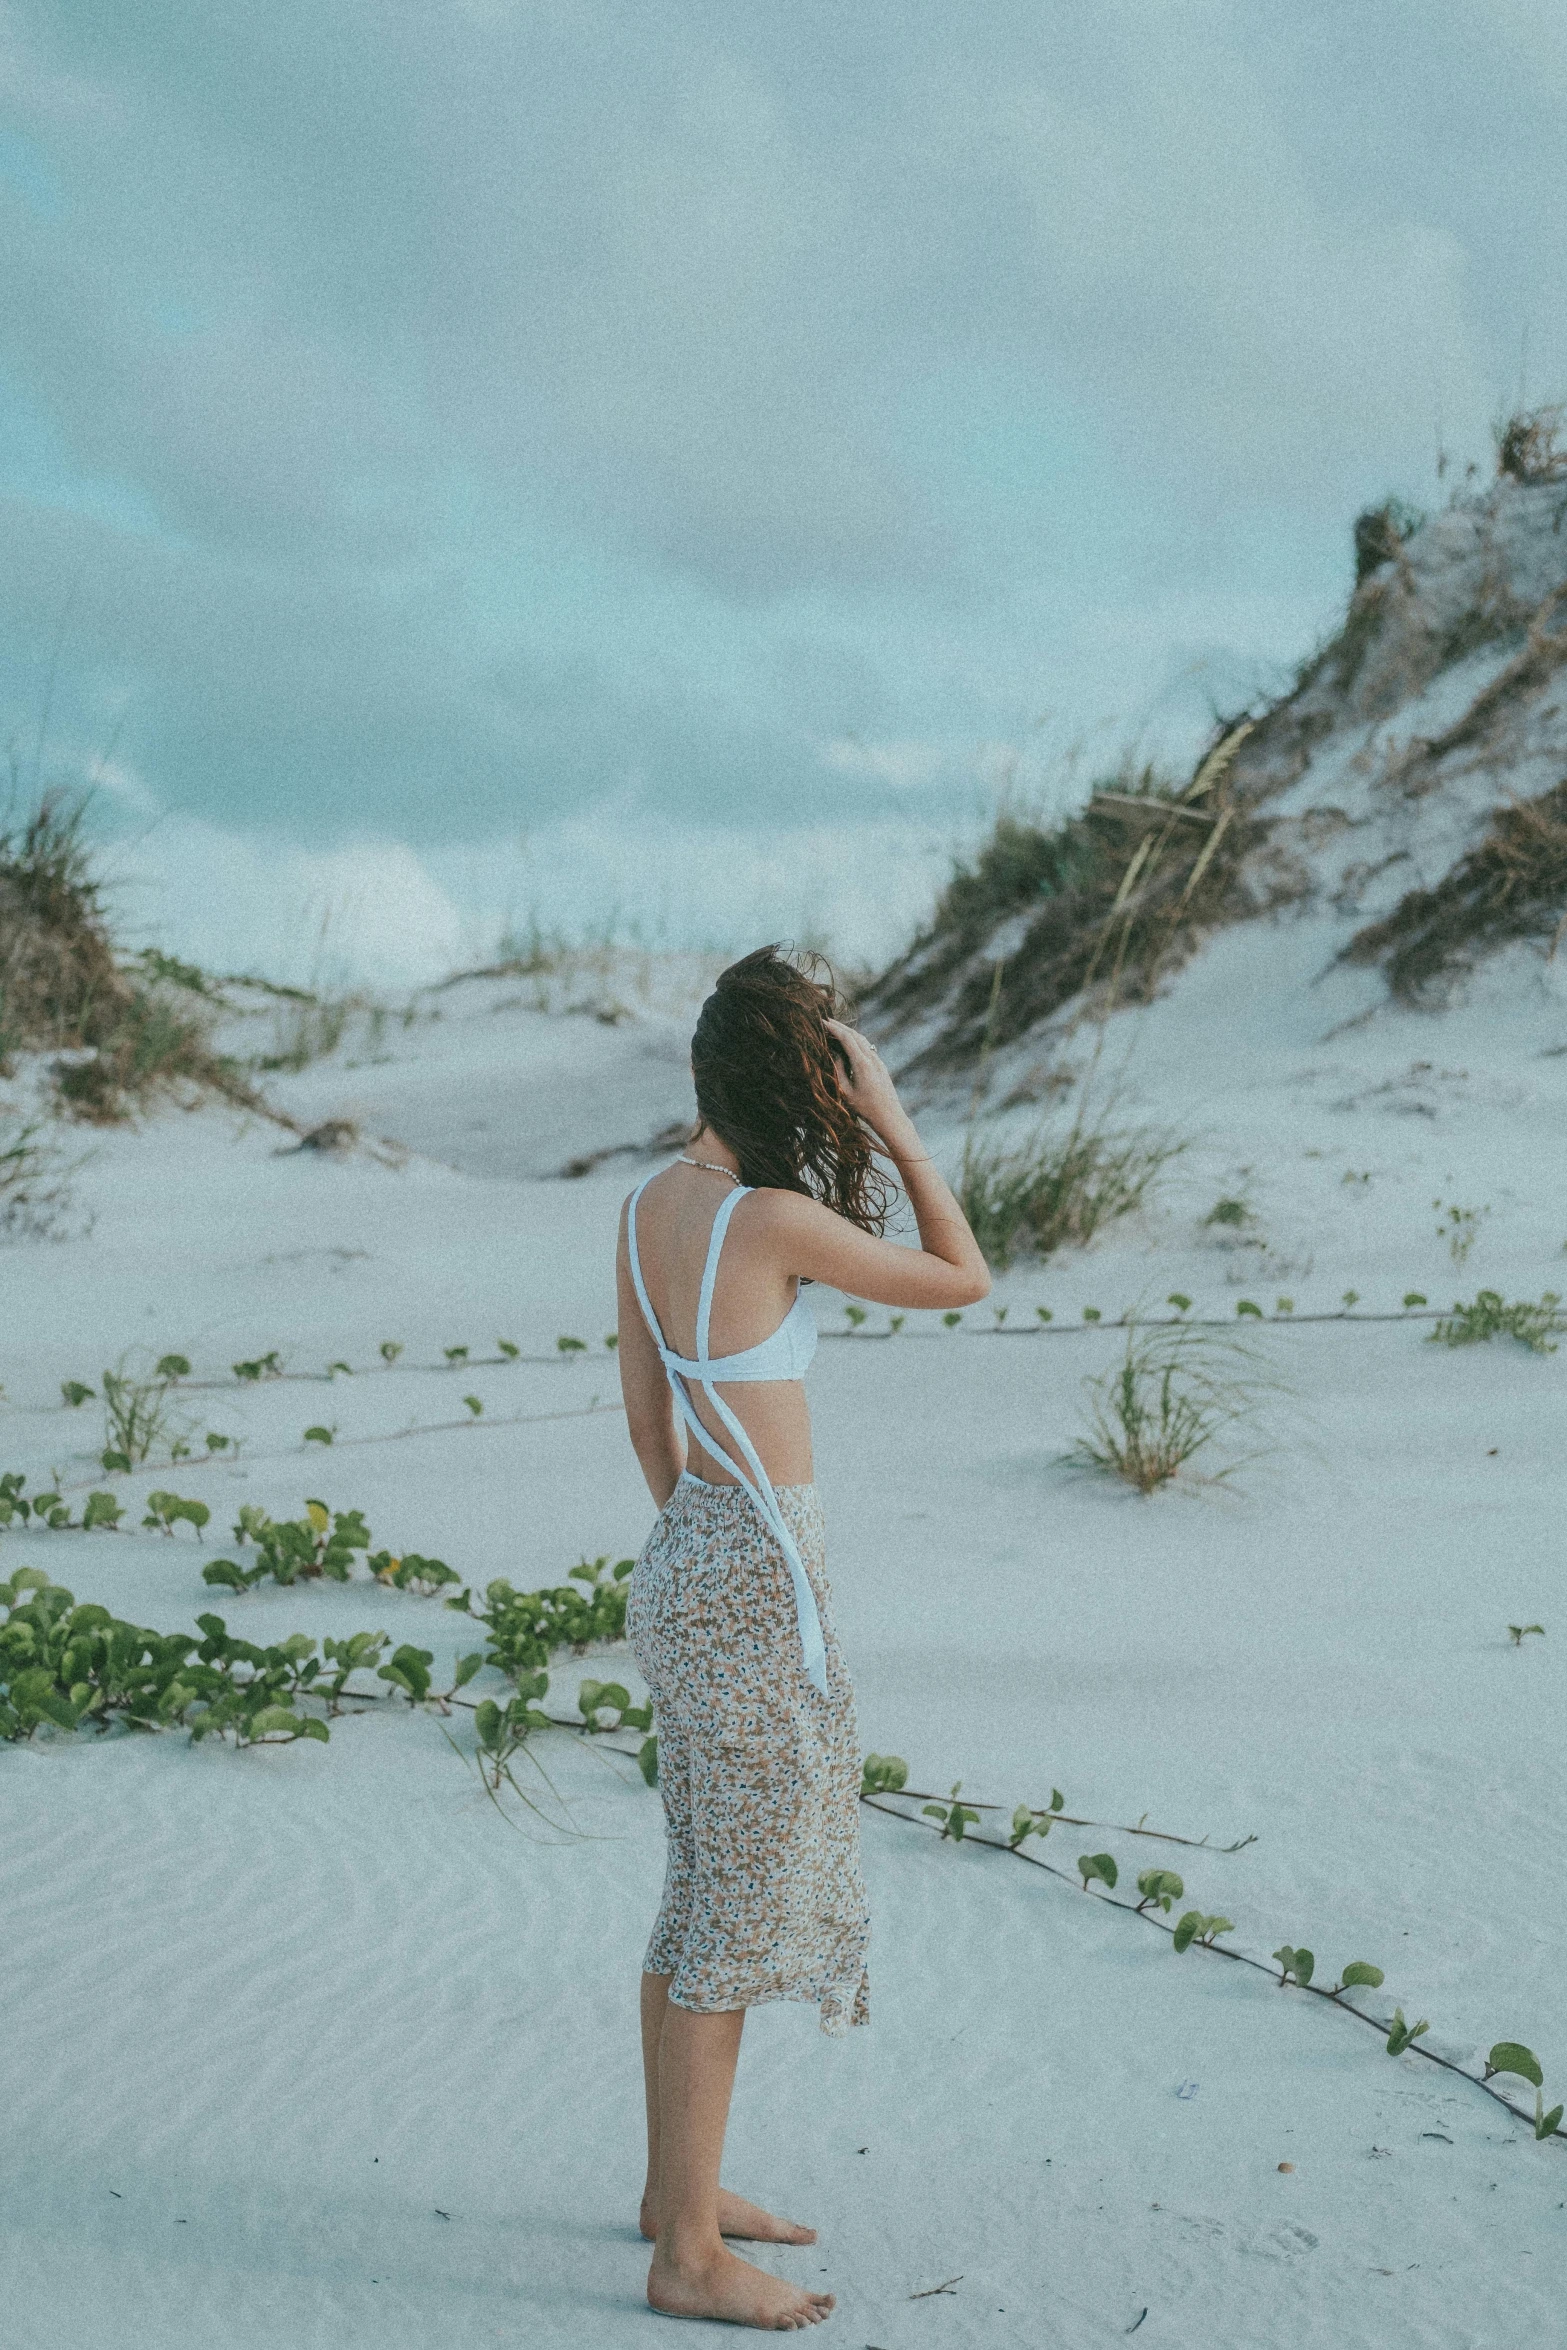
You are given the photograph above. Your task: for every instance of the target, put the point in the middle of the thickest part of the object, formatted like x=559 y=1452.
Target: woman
x=759 y=1759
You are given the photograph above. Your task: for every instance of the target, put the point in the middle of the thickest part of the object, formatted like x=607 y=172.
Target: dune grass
x=123 y=1031
x=1056 y=1190
x=1511 y=885
x=35 y=1183
x=1109 y=903
x=1173 y=1394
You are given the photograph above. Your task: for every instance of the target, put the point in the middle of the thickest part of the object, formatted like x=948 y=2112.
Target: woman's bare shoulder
x=770 y=1211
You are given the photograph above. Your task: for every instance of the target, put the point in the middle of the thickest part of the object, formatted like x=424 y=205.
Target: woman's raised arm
x=946 y=1269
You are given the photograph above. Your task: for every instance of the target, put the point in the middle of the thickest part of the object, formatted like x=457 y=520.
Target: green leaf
x=467 y=1666
x=1401 y=2034
x=951 y=1319
x=1092 y=1314
x=273 y=1718
x=572 y=1346
x=115 y=1461
x=1511 y=2056
x=1044 y=1313
x=883 y=1774
x=75 y=1392
x=1413 y=1297
x=318 y=1435
x=1162 y=1887
x=409 y=1670
x=474 y=1405
x=1182 y=1305
x=1186 y=1929
x=1361 y=1971
x=1244 y=1305
x=224 y=1571
x=173 y=1367
x=1546 y=2124
x=647 y=1760
x=1096 y=1864
x=391 y=1348
x=505 y=1347
x=1298 y=1963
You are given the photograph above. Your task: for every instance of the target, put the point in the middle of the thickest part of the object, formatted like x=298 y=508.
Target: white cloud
x=366 y=911
x=376 y=913
x=900 y=764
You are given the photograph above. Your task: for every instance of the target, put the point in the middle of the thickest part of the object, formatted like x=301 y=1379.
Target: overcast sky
x=674 y=461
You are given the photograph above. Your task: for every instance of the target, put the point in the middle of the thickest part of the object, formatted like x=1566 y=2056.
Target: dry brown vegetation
x=122 y=1034
x=1115 y=899
x=1529 y=445
x=1511 y=885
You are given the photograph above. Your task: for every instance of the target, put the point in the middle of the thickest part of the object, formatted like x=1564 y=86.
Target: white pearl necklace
x=711 y=1166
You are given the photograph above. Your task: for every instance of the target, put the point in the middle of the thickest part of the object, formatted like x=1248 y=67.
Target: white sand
x=270 y=2015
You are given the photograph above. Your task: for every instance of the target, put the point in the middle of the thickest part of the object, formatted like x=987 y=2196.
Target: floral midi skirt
x=760 y=1774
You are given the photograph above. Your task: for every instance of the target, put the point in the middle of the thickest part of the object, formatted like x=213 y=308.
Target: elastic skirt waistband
x=691 y=1486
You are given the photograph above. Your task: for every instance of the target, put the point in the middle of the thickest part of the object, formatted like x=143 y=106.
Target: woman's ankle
x=689 y=2245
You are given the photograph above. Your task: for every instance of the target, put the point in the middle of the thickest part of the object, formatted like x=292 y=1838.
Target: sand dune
x=307 y=2045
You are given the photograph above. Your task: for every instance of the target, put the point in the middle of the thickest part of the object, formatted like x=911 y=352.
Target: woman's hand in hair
x=869 y=1091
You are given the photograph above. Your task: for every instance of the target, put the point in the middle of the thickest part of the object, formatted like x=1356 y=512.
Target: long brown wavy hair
x=769 y=1073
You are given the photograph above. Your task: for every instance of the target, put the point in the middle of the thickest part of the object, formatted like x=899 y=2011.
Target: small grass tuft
x=1175 y=1391
x=35 y=1184
x=1055 y=1191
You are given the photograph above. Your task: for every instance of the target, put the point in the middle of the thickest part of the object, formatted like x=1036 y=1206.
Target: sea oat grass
x=1174 y=1393
x=123 y=1034
x=1053 y=1191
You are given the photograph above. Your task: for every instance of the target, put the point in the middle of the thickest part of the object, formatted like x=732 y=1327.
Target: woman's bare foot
x=722 y=2285
x=736 y=2217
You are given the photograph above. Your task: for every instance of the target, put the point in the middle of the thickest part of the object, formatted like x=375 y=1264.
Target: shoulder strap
x=715 y=1242
x=643 y=1299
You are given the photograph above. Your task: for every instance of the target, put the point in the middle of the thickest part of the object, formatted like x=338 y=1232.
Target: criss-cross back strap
x=763 y=1498
x=715 y=1242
